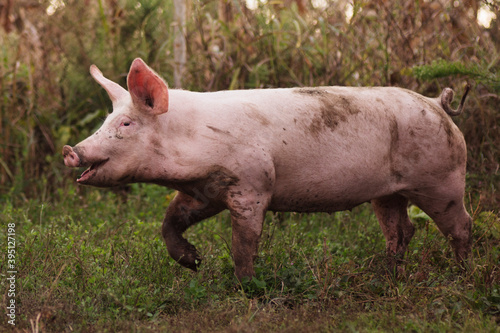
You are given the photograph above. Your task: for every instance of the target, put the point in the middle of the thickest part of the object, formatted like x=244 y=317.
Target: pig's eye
x=126 y=123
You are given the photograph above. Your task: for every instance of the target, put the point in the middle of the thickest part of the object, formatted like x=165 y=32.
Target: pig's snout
x=71 y=159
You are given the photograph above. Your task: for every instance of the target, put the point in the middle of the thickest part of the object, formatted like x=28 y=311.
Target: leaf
x=416 y=213
x=260 y=284
x=89 y=117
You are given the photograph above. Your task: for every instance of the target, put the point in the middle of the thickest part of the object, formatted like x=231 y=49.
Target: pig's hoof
x=191 y=262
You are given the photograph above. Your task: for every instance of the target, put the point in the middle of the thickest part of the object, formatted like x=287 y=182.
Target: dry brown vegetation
x=48 y=98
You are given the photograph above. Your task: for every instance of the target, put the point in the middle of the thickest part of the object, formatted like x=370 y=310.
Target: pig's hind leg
x=443 y=202
x=183 y=212
x=392 y=214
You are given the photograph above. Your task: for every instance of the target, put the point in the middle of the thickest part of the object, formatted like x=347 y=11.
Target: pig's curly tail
x=447 y=98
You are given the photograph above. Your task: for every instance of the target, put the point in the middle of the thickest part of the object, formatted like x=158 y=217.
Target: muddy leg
x=451 y=218
x=183 y=212
x=247 y=218
x=391 y=212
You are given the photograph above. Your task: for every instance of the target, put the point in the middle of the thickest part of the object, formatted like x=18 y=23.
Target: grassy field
x=93 y=261
x=89 y=260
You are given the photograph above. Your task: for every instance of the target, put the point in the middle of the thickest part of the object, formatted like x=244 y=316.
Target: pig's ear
x=114 y=90
x=149 y=92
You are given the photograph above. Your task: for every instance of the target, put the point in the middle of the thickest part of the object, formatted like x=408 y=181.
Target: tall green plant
x=485 y=75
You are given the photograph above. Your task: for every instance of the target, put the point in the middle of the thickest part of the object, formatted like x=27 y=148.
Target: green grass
x=90 y=261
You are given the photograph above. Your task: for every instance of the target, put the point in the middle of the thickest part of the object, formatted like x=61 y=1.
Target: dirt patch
x=210 y=186
x=311 y=91
x=218 y=130
x=334 y=109
x=393 y=150
x=254 y=113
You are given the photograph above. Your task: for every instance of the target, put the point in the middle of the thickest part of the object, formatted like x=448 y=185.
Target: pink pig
x=321 y=149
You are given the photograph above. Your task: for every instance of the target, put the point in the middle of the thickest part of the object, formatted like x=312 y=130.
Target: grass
x=91 y=261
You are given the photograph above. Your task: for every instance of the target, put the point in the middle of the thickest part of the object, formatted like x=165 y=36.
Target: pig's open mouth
x=91 y=171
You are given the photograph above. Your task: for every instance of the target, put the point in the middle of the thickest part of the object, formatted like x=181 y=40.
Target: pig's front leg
x=247 y=217
x=183 y=212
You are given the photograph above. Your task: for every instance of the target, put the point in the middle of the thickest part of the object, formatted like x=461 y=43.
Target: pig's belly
x=329 y=194
x=311 y=205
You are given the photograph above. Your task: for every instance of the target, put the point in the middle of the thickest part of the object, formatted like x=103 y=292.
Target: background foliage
x=48 y=98
x=93 y=260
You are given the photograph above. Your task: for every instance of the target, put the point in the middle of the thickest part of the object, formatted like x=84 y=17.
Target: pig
x=321 y=149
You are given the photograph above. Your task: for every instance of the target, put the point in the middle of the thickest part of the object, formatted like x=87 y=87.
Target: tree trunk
x=179 y=41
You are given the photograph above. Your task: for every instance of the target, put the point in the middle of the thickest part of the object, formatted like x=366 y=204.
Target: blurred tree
x=179 y=41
